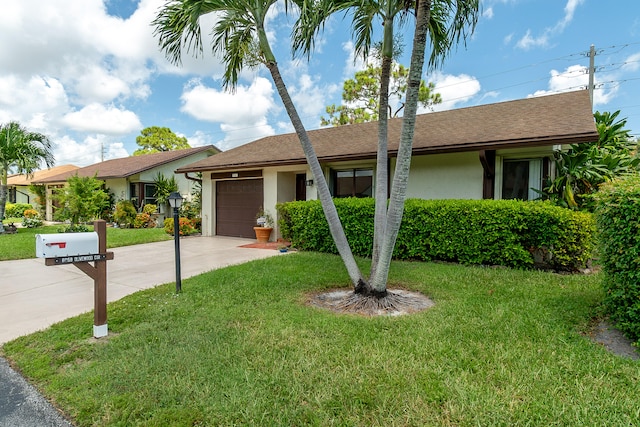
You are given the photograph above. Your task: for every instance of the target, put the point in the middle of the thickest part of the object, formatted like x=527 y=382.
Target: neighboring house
x=131 y=178
x=18 y=185
x=495 y=151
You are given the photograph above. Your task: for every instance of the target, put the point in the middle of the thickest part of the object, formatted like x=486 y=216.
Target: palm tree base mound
x=396 y=302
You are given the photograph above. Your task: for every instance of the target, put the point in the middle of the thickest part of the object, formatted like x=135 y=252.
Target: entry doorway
x=301 y=186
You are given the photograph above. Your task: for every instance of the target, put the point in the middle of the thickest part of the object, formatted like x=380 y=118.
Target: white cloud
x=353 y=63
x=87 y=152
x=576 y=77
x=37 y=102
x=528 y=41
x=453 y=89
x=632 y=63
x=242 y=115
x=96 y=118
x=488 y=13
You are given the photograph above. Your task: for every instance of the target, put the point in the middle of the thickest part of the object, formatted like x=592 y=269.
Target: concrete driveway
x=33 y=296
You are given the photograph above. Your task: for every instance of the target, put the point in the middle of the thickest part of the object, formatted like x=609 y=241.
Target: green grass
x=238 y=347
x=23 y=244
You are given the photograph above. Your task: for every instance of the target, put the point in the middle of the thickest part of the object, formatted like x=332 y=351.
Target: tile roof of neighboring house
x=15 y=180
x=127 y=166
x=548 y=120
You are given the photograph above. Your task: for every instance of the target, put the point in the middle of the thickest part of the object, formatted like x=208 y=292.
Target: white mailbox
x=66 y=244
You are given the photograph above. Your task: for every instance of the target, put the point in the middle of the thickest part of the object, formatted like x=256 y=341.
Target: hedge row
x=618 y=218
x=16 y=210
x=493 y=232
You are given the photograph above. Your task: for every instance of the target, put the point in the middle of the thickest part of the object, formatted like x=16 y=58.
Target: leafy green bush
x=31 y=218
x=618 y=217
x=495 y=232
x=186 y=226
x=125 y=213
x=73 y=228
x=16 y=210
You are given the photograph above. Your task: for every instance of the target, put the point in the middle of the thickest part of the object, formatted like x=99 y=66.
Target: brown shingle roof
x=127 y=166
x=555 y=119
x=38 y=175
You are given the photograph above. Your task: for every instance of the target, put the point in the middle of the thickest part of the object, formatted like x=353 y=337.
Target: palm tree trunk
x=403 y=163
x=329 y=208
x=382 y=165
x=3 y=204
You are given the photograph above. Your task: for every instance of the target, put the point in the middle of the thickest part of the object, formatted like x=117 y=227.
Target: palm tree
x=443 y=23
x=240 y=37
x=21 y=151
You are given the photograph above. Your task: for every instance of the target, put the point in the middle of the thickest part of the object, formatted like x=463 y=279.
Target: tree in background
x=361 y=96
x=23 y=152
x=81 y=200
x=156 y=139
x=583 y=167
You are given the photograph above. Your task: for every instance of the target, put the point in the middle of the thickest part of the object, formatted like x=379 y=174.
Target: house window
x=12 y=195
x=133 y=194
x=520 y=179
x=149 y=194
x=353 y=183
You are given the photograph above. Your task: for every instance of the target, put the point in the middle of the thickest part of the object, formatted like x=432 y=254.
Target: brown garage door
x=237 y=203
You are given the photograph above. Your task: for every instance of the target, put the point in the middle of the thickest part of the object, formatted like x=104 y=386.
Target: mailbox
x=66 y=244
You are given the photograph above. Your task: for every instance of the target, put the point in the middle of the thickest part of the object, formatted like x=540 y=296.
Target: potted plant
x=264 y=226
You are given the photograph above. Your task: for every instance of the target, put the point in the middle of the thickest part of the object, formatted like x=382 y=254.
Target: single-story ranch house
x=131 y=178
x=18 y=185
x=496 y=151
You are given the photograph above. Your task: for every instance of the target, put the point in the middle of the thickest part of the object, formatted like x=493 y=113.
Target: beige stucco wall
x=445 y=176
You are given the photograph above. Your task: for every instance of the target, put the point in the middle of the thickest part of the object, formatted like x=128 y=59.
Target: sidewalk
x=33 y=297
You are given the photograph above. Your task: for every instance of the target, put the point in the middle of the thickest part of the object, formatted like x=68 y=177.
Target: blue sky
x=89 y=74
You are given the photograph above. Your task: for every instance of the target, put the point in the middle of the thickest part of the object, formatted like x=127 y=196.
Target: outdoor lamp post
x=175 y=201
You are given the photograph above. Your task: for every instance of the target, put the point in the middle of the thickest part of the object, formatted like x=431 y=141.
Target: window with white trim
x=520 y=178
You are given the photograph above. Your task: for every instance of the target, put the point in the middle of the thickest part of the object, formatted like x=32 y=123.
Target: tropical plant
x=240 y=36
x=40 y=190
x=156 y=139
x=125 y=213
x=81 y=200
x=361 y=96
x=21 y=151
x=583 y=167
x=443 y=23
x=164 y=187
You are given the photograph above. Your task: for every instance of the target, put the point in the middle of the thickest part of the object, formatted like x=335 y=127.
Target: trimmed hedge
x=618 y=218
x=16 y=210
x=493 y=232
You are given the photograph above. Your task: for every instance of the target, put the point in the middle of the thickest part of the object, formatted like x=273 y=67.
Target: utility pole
x=592 y=70
x=102 y=145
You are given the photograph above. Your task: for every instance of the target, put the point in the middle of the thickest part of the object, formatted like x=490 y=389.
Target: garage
x=237 y=202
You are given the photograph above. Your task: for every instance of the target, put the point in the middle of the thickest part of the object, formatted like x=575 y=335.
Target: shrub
x=495 y=232
x=185 y=224
x=16 y=210
x=143 y=220
x=73 y=228
x=125 y=213
x=618 y=217
x=150 y=209
x=31 y=218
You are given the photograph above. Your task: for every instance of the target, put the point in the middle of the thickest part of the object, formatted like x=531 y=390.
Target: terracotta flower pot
x=262 y=234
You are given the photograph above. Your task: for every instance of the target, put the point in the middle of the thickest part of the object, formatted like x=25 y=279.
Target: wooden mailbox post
x=80 y=249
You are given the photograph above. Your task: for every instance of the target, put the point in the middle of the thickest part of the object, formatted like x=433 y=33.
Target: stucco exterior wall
x=445 y=176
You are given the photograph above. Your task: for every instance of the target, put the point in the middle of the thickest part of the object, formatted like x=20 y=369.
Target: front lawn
x=240 y=347
x=23 y=244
